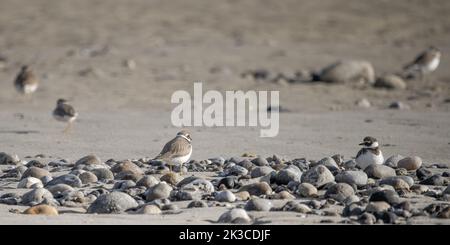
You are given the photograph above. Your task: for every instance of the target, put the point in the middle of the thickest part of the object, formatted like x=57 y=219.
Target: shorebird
x=425 y=63
x=178 y=150
x=65 y=113
x=369 y=154
x=26 y=82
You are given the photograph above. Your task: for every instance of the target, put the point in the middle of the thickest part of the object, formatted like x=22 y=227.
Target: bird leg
x=68 y=128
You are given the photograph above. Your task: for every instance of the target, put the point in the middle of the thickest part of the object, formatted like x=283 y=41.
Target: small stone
x=159 y=191
x=350 y=164
x=291 y=173
x=436 y=179
x=68 y=179
x=410 y=163
x=340 y=192
x=387 y=217
x=347 y=71
x=388 y=196
x=247 y=164
x=261 y=171
x=284 y=195
x=236 y=170
x=197 y=204
x=375 y=207
x=307 y=190
x=352 y=209
x=225 y=196
x=242 y=195
x=257 y=189
x=88 y=177
x=147 y=181
x=317 y=176
x=29 y=182
x=149 y=209
x=229 y=182
x=171 y=178
x=124 y=184
x=338 y=159
x=329 y=163
x=88 y=160
x=423 y=173
x=392 y=161
x=128 y=167
x=114 y=202
x=37 y=196
x=130 y=64
x=258 y=204
x=390 y=82
x=363 y=103
x=399 y=105
x=419 y=189
x=41 y=209
x=296 y=207
x=358 y=178
x=35 y=163
x=259 y=161
x=103 y=174
x=58 y=189
x=401 y=171
x=447 y=190
x=379 y=171
x=392 y=181
x=36 y=173
x=235 y=216
x=16 y=172
x=351 y=199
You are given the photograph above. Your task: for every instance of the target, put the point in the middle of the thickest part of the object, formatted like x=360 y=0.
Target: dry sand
x=77 y=48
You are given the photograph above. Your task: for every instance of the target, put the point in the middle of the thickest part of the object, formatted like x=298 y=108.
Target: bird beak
x=363 y=143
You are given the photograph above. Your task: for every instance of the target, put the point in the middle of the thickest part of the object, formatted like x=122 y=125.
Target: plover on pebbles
x=26 y=81
x=425 y=63
x=178 y=150
x=370 y=153
x=65 y=113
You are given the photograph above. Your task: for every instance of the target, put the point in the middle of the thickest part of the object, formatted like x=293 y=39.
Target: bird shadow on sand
x=19 y=132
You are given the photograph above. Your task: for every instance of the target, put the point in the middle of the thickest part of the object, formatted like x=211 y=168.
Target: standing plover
x=369 y=154
x=65 y=113
x=426 y=62
x=178 y=150
x=26 y=82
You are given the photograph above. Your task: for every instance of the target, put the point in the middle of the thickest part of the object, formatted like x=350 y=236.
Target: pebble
x=159 y=191
x=393 y=181
x=259 y=161
x=41 y=209
x=284 y=195
x=363 y=103
x=387 y=217
x=401 y=171
x=419 y=189
x=149 y=209
x=17 y=172
x=307 y=190
x=36 y=173
x=399 y=105
x=68 y=179
x=127 y=167
x=352 y=209
x=229 y=182
x=88 y=177
x=236 y=170
x=351 y=199
x=247 y=164
x=225 y=196
x=392 y=161
x=197 y=204
x=194 y=190
x=423 y=173
x=37 y=196
x=103 y=174
x=329 y=162
x=30 y=182
x=290 y=173
x=147 y=181
x=8 y=159
x=379 y=171
x=88 y=160
x=358 y=178
x=171 y=178
x=388 y=196
x=261 y=171
x=436 y=179
x=317 y=176
x=258 y=204
x=257 y=189
x=242 y=195
x=339 y=192
x=410 y=163
x=347 y=71
x=114 y=202
x=390 y=82
x=374 y=207
x=58 y=189
x=447 y=190
x=235 y=216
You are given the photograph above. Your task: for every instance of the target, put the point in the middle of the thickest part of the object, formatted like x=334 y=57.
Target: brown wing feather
x=175 y=148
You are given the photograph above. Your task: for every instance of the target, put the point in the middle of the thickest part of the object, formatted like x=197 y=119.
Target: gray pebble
x=258 y=204
x=317 y=176
x=339 y=192
x=114 y=202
